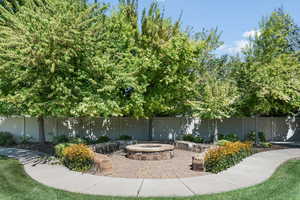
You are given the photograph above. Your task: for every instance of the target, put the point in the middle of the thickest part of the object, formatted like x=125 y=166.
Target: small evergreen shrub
x=78 y=157
x=77 y=140
x=232 y=137
x=102 y=139
x=262 y=137
x=61 y=139
x=251 y=136
x=221 y=136
x=223 y=157
x=125 y=137
x=6 y=139
x=188 y=137
x=191 y=138
x=67 y=139
x=198 y=139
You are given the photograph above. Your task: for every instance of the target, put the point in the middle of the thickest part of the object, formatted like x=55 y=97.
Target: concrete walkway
x=251 y=171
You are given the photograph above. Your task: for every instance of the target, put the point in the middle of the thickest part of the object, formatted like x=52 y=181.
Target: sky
x=236 y=19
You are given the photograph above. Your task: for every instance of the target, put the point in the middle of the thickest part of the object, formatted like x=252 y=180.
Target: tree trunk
x=150 y=130
x=41 y=125
x=216 y=131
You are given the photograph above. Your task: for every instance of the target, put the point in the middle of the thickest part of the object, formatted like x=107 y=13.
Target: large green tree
x=47 y=62
x=68 y=58
x=270 y=76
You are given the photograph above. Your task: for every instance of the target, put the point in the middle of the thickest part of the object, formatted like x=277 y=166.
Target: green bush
x=198 y=139
x=67 y=139
x=103 y=139
x=262 y=137
x=59 y=149
x=6 y=139
x=251 y=136
x=77 y=140
x=61 y=139
x=191 y=138
x=232 y=137
x=125 y=137
x=221 y=136
x=188 y=137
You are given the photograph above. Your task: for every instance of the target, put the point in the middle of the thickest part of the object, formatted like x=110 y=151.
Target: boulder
x=198 y=164
x=102 y=165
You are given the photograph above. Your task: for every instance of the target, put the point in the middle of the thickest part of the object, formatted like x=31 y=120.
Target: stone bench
x=102 y=165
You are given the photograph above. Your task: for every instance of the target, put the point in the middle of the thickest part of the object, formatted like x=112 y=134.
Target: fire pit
x=150 y=152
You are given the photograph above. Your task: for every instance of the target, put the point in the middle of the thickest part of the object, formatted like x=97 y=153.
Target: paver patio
x=251 y=171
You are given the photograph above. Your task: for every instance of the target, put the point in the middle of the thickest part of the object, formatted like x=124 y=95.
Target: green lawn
x=15 y=185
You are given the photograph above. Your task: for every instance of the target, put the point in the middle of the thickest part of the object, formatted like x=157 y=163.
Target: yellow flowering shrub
x=78 y=157
x=223 y=157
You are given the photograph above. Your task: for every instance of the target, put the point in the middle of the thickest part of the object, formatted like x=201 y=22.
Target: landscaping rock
x=191 y=146
x=198 y=164
x=103 y=165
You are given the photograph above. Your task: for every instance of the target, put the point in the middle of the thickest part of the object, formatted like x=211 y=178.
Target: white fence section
x=275 y=128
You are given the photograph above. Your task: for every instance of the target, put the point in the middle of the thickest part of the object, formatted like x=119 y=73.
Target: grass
x=16 y=185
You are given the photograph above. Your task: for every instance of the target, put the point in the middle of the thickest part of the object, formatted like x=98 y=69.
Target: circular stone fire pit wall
x=150 y=152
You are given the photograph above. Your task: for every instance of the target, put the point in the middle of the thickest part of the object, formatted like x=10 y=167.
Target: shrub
x=90 y=139
x=232 y=137
x=191 y=138
x=103 y=139
x=59 y=149
x=67 y=139
x=251 y=136
x=6 y=139
x=61 y=139
x=76 y=140
x=198 y=139
x=222 y=142
x=221 y=137
x=262 y=136
x=78 y=157
x=188 y=137
x=223 y=157
x=125 y=137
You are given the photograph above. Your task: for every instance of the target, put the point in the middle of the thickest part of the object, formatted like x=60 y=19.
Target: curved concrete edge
x=251 y=171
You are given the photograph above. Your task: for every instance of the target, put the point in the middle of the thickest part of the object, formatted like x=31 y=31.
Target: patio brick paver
x=251 y=171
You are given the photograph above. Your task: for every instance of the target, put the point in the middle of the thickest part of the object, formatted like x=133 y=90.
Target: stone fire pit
x=150 y=152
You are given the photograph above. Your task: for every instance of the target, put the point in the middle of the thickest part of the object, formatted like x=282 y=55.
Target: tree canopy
x=270 y=76
x=74 y=59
